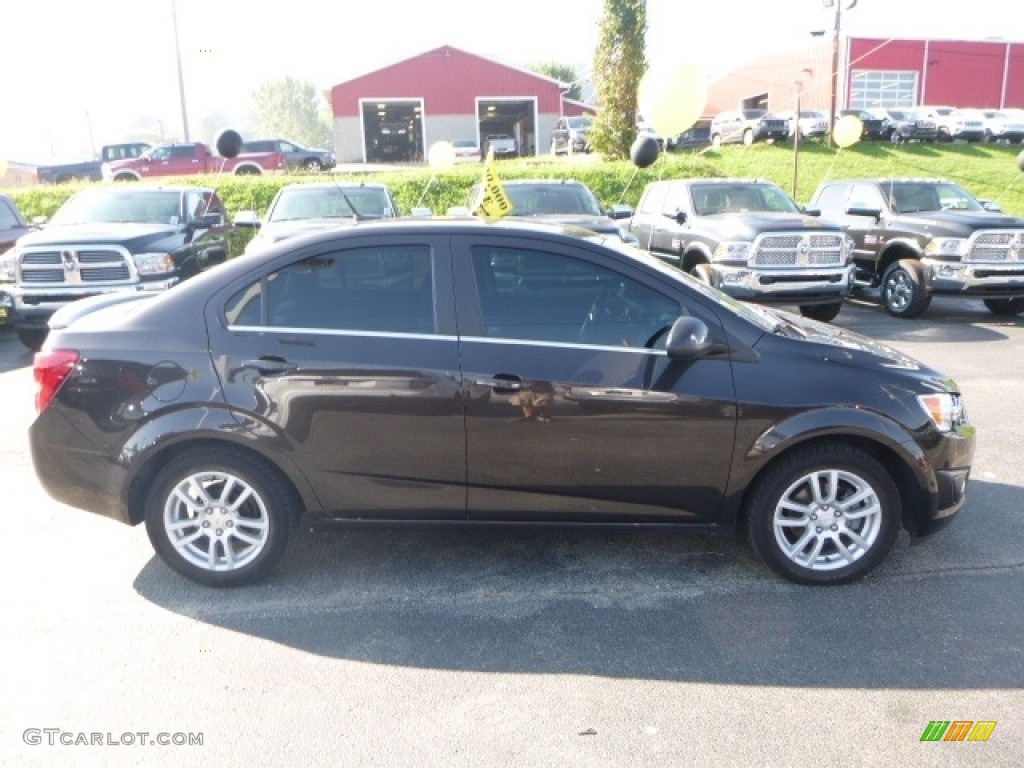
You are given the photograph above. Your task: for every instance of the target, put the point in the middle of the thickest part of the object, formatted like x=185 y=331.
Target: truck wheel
x=1005 y=307
x=313 y=165
x=716 y=140
x=704 y=273
x=748 y=137
x=247 y=171
x=32 y=338
x=824 y=313
x=903 y=290
x=125 y=177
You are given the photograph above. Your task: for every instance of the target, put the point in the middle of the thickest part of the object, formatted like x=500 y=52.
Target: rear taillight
x=50 y=370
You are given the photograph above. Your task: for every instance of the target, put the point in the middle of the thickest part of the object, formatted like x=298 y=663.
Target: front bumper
x=999 y=279
x=948 y=462
x=784 y=285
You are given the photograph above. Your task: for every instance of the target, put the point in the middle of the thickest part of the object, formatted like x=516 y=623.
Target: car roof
x=334 y=185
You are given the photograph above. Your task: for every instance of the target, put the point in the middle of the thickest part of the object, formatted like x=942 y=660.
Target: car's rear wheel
x=827 y=514
x=825 y=313
x=220 y=517
x=903 y=291
x=1005 y=307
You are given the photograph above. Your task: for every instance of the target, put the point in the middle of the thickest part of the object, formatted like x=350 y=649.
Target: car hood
x=601 y=224
x=127 y=234
x=844 y=347
x=747 y=226
x=961 y=223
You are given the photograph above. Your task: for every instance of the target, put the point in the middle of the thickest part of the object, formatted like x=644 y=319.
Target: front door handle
x=501 y=382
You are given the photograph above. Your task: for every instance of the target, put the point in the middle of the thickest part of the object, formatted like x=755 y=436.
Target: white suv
x=953 y=123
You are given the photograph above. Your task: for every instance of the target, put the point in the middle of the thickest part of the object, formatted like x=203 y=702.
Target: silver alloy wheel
x=216 y=521
x=827 y=519
x=898 y=290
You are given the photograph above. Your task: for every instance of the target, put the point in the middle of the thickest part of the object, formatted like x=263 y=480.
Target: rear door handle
x=269 y=366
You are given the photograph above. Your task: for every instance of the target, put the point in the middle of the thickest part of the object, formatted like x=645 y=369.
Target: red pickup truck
x=190 y=158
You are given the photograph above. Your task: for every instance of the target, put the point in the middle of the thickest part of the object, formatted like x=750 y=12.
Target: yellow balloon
x=672 y=98
x=847 y=131
x=441 y=155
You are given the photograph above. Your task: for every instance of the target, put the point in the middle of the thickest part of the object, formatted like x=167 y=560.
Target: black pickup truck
x=113 y=239
x=749 y=239
x=91 y=170
x=917 y=237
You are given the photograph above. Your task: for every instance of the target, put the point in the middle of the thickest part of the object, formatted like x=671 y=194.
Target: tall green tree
x=619 y=63
x=289 y=108
x=563 y=72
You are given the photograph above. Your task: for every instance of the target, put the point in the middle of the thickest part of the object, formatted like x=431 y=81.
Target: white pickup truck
x=502 y=144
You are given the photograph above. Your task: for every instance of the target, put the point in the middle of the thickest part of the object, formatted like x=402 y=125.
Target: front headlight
x=8 y=263
x=731 y=251
x=946 y=410
x=946 y=246
x=153 y=263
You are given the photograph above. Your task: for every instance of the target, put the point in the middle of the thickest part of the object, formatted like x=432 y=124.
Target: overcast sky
x=93 y=71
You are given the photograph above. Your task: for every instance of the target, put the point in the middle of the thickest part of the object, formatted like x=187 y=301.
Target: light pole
x=835 y=61
x=181 y=79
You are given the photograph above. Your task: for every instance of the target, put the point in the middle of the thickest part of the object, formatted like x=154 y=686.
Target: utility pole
x=835 y=62
x=181 y=79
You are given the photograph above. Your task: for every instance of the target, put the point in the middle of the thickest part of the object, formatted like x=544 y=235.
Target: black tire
x=32 y=338
x=748 y=137
x=126 y=177
x=813 y=553
x=313 y=165
x=716 y=140
x=255 y=533
x=903 y=291
x=248 y=171
x=824 y=313
x=1005 y=307
x=704 y=273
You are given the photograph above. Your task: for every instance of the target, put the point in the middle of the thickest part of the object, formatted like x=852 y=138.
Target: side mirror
x=677 y=214
x=875 y=213
x=687 y=339
x=247 y=219
x=208 y=220
x=38 y=221
x=620 y=212
x=811 y=211
x=991 y=205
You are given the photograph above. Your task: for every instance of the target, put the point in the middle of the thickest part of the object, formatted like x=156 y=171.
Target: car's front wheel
x=1005 y=307
x=748 y=137
x=824 y=313
x=903 y=290
x=314 y=166
x=827 y=514
x=220 y=517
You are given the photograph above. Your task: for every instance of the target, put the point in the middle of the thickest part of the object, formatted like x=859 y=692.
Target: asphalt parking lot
x=525 y=648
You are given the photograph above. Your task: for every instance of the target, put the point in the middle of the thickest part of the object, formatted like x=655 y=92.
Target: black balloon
x=229 y=143
x=644 y=151
x=1020 y=160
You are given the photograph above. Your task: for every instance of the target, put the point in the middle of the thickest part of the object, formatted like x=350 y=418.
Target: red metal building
x=396 y=113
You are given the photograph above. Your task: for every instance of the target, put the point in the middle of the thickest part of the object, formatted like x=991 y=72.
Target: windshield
x=158 y=206
x=579 y=122
x=298 y=203
x=711 y=199
x=911 y=197
x=542 y=199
